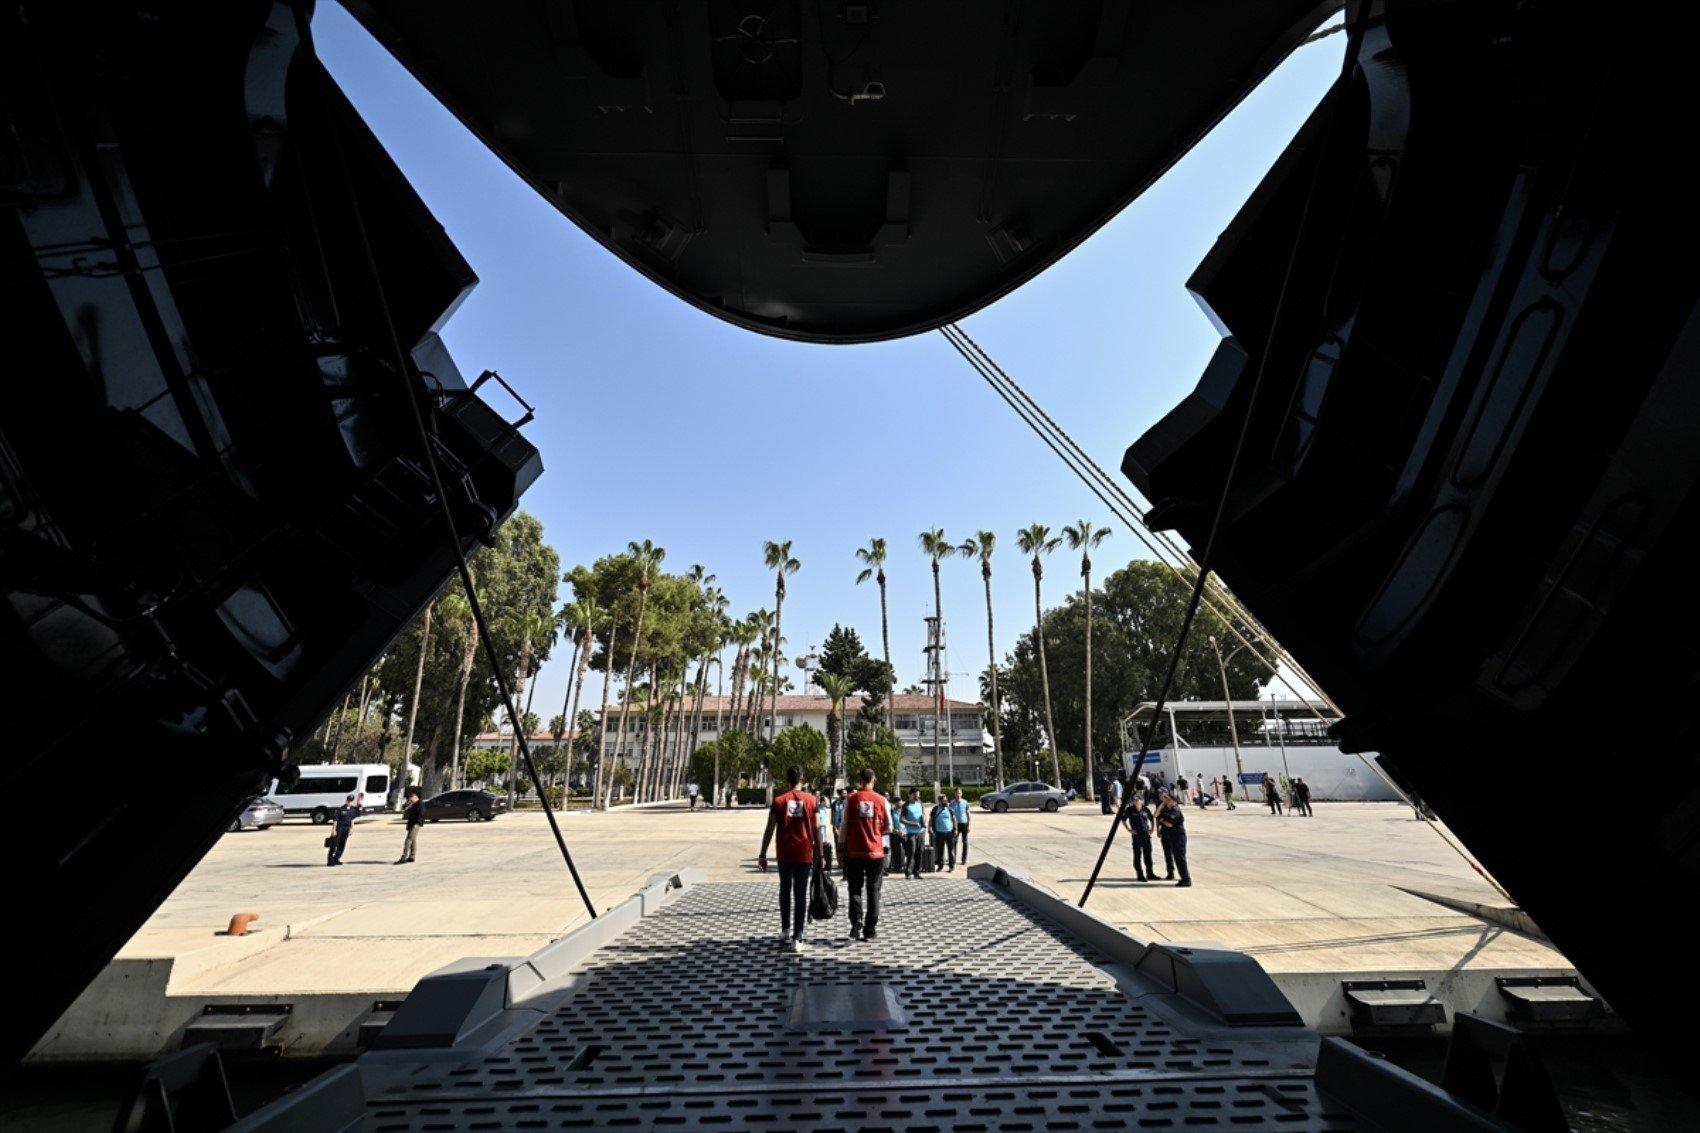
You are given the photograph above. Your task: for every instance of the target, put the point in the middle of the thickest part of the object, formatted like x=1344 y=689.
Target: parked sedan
x=474 y=806
x=1025 y=796
x=258 y=813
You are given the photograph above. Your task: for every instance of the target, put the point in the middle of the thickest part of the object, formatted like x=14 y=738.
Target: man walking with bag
x=345 y=816
x=792 y=817
x=866 y=826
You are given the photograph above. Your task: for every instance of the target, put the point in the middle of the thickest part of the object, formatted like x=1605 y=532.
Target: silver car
x=1025 y=796
x=259 y=813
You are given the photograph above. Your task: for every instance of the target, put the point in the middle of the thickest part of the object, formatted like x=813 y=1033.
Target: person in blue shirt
x=943 y=825
x=912 y=819
x=345 y=816
x=960 y=810
x=1139 y=821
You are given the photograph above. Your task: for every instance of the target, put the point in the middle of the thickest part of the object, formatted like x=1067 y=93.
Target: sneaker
x=855 y=933
x=869 y=935
x=1182 y=884
x=796 y=944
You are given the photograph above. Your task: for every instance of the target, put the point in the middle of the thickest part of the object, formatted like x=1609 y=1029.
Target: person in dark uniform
x=414 y=816
x=1139 y=821
x=345 y=816
x=1164 y=799
x=1271 y=795
x=1301 y=797
x=1171 y=823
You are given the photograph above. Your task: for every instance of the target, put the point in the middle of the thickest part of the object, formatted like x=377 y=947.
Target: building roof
x=804 y=703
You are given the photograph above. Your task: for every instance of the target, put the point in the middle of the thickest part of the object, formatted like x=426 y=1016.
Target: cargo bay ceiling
x=838 y=172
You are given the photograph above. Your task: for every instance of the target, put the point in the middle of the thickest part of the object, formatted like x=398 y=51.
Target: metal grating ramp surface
x=1010 y=1024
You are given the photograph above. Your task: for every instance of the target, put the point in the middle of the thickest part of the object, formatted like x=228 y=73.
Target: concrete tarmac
x=1315 y=900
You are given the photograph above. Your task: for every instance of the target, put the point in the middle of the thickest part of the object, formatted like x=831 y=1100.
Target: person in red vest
x=793 y=819
x=867 y=822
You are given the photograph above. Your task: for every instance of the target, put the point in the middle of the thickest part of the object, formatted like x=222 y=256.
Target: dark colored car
x=474 y=806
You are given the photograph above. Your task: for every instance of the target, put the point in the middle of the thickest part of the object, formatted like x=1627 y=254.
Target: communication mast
x=937 y=680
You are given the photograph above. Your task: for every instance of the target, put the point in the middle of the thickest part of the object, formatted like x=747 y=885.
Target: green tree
x=648 y=557
x=980 y=546
x=837 y=688
x=535 y=629
x=800 y=745
x=1083 y=537
x=484 y=765
x=870 y=744
x=1036 y=540
x=1138 y=615
x=872 y=558
x=935 y=546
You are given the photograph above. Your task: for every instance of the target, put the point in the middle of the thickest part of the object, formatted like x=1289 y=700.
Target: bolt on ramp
x=970 y=1011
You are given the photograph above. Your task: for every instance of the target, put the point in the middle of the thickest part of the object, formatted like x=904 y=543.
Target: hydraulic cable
x=423 y=433
x=1124 y=508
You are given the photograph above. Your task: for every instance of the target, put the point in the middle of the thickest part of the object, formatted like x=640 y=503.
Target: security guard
x=1171 y=827
x=1139 y=821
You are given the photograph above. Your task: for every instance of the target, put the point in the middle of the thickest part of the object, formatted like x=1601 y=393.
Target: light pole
x=1228 y=698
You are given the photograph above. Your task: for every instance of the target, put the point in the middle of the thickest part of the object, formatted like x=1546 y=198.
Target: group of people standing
x=1155 y=810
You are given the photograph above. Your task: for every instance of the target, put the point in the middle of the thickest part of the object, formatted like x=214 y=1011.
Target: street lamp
x=1228 y=698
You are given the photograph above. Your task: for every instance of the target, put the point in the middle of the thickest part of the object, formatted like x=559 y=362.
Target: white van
x=323 y=787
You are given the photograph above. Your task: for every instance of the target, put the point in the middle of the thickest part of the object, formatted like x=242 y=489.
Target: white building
x=962 y=743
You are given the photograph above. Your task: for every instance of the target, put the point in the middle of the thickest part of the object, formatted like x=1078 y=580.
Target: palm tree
x=418 y=683
x=456 y=607
x=1083 y=537
x=536 y=631
x=935 y=545
x=837 y=688
x=1037 y=540
x=980 y=546
x=596 y=798
x=583 y=619
x=648 y=557
x=872 y=558
x=743 y=636
x=777 y=557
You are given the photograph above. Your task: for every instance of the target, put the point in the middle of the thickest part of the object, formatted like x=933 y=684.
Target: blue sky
x=658 y=421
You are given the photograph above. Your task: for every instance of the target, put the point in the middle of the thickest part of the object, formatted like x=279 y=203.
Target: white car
x=259 y=813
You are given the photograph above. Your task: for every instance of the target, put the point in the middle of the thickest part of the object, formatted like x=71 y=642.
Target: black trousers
x=962 y=849
x=1168 y=841
x=1174 y=846
x=336 y=848
x=944 y=844
x=1142 y=867
x=864 y=873
x=912 y=854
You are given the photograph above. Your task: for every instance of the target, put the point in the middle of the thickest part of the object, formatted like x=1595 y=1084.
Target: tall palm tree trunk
x=644 y=791
x=885 y=638
x=1086 y=756
x=572 y=714
x=1045 y=675
x=519 y=725
x=778 y=639
x=466 y=662
x=418 y=684
x=992 y=658
x=631 y=672
x=602 y=739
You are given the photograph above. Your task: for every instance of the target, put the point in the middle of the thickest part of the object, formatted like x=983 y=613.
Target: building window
x=906 y=723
